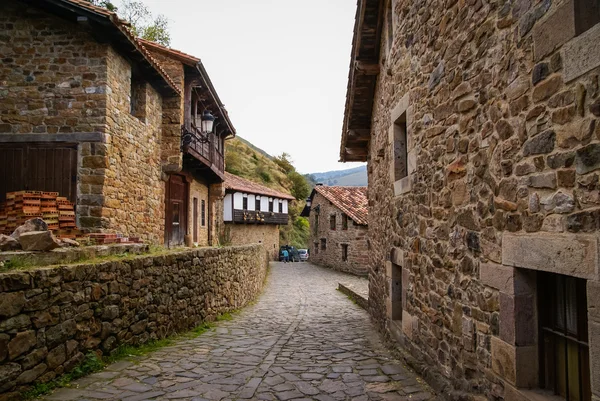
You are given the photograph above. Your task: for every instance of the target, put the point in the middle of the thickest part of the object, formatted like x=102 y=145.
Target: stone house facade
x=252 y=214
x=338 y=228
x=87 y=111
x=480 y=125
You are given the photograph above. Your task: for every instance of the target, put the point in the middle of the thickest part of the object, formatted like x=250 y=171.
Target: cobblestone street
x=302 y=340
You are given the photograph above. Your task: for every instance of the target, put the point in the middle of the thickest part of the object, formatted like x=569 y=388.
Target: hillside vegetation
x=252 y=163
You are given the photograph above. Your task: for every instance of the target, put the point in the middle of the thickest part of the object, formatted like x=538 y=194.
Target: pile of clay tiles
x=108 y=238
x=55 y=210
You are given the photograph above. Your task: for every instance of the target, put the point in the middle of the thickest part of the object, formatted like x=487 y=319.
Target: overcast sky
x=279 y=66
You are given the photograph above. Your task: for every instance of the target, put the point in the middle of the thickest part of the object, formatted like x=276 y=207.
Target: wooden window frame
x=203 y=213
x=554 y=304
x=332 y=222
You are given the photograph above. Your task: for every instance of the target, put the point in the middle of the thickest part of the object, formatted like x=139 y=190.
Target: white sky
x=279 y=66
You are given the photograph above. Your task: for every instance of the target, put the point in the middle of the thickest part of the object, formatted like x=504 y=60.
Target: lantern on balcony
x=208 y=121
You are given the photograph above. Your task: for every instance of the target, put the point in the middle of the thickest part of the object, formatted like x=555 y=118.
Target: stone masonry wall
x=266 y=234
x=133 y=189
x=52 y=76
x=502 y=107
x=355 y=237
x=52 y=317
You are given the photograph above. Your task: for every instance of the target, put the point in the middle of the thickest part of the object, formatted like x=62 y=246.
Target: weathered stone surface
x=587 y=158
x=569 y=254
x=56 y=357
x=547 y=88
x=38 y=241
x=8 y=243
x=497 y=276
x=30 y=375
x=539 y=73
x=36 y=224
x=22 y=343
x=11 y=304
x=539 y=144
x=547 y=180
x=9 y=371
x=581 y=54
x=554 y=31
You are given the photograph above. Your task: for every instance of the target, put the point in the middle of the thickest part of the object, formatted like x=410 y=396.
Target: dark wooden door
x=39 y=167
x=176 y=207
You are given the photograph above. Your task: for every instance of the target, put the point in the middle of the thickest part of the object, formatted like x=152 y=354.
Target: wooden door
x=39 y=167
x=176 y=207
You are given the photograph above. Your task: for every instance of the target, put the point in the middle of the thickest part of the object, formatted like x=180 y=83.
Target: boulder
x=36 y=224
x=67 y=242
x=8 y=243
x=38 y=241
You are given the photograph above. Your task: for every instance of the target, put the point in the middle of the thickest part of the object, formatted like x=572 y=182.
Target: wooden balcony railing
x=254 y=217
x=203 y=148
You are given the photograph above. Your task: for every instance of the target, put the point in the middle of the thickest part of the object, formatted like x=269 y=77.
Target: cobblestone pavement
x=302 y=340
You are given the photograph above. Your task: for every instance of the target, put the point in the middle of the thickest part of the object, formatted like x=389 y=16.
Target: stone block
x=497 y=276
x=507 y=318
x=397 y=256
x=593 y=300
x=570 y=254
x=38 y=241
x=587 y=159
x=410 y=325
x=22 y=343
x=11 y=304
x=517 y=365
x=555 y=30
x=594 y=330
x=581 y=54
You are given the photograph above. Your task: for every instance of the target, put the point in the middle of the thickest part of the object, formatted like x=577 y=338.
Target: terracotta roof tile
x=350 y=200
x=172 y=52
x=241 y=184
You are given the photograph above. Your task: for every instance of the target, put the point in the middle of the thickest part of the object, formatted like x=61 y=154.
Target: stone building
x=88 y=111
x=338 y=228
x=252 y=214
x=480 y=124
x=193 y=160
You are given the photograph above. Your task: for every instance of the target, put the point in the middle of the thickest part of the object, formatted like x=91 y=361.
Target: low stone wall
x=51 y=317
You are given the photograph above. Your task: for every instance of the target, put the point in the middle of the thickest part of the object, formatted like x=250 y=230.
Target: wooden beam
x=366 y=68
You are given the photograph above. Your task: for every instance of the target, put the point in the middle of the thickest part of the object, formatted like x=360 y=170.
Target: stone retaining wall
x=51 y=317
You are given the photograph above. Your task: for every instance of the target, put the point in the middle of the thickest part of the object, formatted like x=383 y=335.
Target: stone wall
x=266 y=234
x=53 y=74
x=502 y=106
x=133 y=191
x=51 y=317
x=355 y=237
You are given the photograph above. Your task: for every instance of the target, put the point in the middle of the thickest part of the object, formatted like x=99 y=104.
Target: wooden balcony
x=201 y=152
x=254 y=217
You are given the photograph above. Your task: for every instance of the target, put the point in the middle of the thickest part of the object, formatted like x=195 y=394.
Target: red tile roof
x=123 y=26
x=350 y=200
x=177 y=54
x=236 y=183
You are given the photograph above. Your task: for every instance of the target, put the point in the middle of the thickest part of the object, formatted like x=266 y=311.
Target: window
x=257 y=204
x=316 y=227
x=245 y=203
x=316 y=248
x=175 y=213
x=587 y=14
x=344 y=252
x=323 y=244
x=564 y=344
x=344 y=221
x=400 y=148
x=203 y=213
x=270 y=205
x=332 y=222
x=280 y=207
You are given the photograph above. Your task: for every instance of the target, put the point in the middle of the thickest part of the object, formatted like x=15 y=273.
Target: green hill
x=248 y=161
x=252 y=163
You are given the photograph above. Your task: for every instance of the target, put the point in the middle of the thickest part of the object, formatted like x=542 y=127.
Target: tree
x=284 y=162
x=300 y=188
x=143 y=23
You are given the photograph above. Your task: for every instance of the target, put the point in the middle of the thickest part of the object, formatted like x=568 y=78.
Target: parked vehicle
x=303 y=255
x=292 y=252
